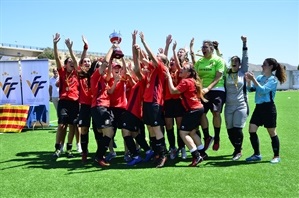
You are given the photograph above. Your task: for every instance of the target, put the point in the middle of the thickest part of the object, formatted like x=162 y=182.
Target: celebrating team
x=153 y=91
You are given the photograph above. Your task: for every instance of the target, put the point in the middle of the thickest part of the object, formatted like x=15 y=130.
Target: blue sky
x=271 y=26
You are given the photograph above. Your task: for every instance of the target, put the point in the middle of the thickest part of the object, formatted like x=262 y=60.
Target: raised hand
x=56 y=38
x=174 y=45
x=84 y=40
x=168 y=39
x=215 y=44
x=69 y=43
x=244 y=39
x=141 y=35
x=161 y=50
x=134 y=34
x=191 y=43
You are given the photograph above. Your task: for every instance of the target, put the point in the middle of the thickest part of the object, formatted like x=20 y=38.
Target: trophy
x=115 y=38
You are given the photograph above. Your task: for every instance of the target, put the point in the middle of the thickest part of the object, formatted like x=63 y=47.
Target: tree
x=47 y=53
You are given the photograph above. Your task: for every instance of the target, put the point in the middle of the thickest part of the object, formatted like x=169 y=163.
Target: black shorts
x=67 y=111
x=117 y=117
x=84 y=115
x=102 y=117
x=131 y=122
x=173 y=108
x=216 y=100
x=264 y=114
x=153 y=114
x=191 y=119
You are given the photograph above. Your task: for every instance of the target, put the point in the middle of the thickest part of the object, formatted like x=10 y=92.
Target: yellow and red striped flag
x=13 y=117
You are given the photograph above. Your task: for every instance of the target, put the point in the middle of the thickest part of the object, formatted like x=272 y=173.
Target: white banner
x=35 y=84
x=10 y=85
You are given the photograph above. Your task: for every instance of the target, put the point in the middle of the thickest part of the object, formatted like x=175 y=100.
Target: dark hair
x=210 y=43
x=235 y=57
x=229 y=71
x=66 y=60
x=83 y=74
x=279 y=69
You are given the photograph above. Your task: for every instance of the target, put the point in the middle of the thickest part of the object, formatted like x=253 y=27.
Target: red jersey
x=99 y=88
x=118 y=97
x=68 y=84
x=189 y=94
x=135 y=99
x=128 y=89
x=84 y=91
x=175 y=80
x=155 y=82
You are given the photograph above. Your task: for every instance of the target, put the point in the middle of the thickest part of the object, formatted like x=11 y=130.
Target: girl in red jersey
x=132 y=117
x=68 y=105
x=153 y=100
x=85 y=97
x=117 y=82
x=100 y=112
x=191 y=91
x=173 y=108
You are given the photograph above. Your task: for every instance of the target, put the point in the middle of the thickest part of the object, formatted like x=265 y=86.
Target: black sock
x=153 y=144
x=142 y=142
x=84 y=142
x=98 y=136
x=181 y=143
x=206 y=133
x=102 y=147
x=142 y=130
x=161 y=148
x=57 y=146
x=230 y=133
x=217 y=134
x=238 y=139
x=202 y=152
x=131 y=145
x=195 y=154
x=170 y=137
x=275 y=145
x=255 y=143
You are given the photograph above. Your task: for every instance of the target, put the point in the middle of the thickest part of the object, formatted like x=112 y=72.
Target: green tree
x=47 y=53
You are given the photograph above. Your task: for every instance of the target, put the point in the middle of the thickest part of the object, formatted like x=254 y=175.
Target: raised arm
x=168 y=41
x=124 y=65
x=107 y=62
x=69 y=45
x=85 y=48
x=56 y=39
x=244 y=64
x=136 y=69
x=216 y=47
x=134 y=35
x=192 y=51
x=175 y=56
x=172 y=89
x=148 y=50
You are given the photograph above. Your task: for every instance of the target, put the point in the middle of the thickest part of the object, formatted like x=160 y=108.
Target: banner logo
x=36 y=85
x=8 y=86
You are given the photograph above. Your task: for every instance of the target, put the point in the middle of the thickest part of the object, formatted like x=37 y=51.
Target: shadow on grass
x=45 y=160
x=226 y=161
